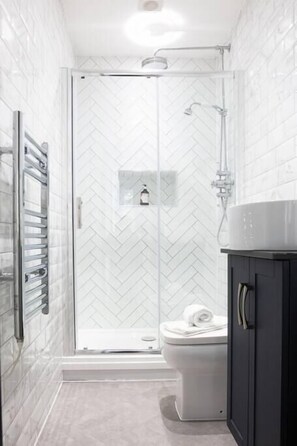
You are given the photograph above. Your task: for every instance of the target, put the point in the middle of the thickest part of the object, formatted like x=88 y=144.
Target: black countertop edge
x=273 y=255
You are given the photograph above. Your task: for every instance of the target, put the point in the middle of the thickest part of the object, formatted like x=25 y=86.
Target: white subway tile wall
x=264 y=48
x=33 y=47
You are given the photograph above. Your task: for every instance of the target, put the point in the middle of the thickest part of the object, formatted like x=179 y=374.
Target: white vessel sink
x=268 y=225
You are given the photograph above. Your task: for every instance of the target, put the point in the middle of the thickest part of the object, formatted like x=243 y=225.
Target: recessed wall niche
x=131 y=183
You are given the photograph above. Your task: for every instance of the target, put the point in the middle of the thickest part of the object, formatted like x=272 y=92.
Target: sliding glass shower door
x=145 y=215
x=116 y=237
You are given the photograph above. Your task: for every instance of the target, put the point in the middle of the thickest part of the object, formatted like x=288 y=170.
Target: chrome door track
x=145 y=350
x=119 y=351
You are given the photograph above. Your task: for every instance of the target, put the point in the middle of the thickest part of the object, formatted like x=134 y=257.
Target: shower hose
x=224 y=205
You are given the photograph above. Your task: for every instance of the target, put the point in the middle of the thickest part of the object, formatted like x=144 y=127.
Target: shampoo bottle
x=144 y=196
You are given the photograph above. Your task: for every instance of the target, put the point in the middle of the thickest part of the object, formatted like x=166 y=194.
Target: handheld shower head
x=220 y=110
x=188 y=111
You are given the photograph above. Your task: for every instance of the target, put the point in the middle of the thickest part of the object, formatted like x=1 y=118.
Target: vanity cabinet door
x=262 y=349
x=267 y=332
x=258 y=306
x=238 y=351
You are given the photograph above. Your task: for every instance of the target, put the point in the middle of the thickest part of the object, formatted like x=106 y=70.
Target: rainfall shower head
x=160 y=63
x=188 y=111
x=155 y=63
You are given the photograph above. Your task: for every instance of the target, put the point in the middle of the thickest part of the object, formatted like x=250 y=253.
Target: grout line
x=48 y=414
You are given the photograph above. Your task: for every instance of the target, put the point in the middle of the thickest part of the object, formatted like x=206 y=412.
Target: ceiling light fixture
x=151 y=5
x=154 y=29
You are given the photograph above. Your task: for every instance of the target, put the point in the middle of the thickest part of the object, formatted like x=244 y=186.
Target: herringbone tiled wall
x=117 y=246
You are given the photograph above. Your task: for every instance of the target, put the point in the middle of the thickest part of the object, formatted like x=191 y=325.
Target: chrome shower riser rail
x=29 y=158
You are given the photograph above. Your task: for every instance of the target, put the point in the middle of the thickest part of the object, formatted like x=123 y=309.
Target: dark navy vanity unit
x=262 y=347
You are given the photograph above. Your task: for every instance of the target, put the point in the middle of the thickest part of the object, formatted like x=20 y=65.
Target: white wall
x=264 y=48
x=117 y=246
x=33 y=47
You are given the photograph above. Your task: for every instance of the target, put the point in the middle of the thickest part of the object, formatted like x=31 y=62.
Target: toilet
x=201 y=364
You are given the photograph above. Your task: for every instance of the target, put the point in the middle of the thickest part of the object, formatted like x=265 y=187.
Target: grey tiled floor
x=125 y=414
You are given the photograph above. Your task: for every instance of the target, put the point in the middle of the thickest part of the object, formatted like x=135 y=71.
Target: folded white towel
x=198 y=315
x=182 y=328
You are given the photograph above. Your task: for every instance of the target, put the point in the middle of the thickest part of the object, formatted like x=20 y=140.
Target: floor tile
x=125 y=414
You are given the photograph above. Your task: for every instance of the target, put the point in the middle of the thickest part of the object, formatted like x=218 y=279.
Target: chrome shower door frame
x=72 y=108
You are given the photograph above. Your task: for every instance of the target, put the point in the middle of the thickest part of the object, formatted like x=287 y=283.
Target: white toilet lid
x=211 y=337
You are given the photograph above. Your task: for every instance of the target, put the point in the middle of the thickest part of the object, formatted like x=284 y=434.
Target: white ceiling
x=96 y=27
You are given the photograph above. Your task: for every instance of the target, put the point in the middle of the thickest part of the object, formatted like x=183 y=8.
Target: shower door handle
x=79 y=212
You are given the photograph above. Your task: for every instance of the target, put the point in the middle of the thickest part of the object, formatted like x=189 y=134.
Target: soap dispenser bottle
x=144 y=196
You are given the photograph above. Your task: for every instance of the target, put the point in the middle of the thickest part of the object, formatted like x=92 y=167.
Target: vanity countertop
x=272 y=255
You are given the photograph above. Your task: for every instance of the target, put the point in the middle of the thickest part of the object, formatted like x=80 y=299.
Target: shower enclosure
x=138 y=265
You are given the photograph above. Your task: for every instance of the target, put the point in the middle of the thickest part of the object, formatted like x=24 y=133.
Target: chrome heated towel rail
x=30 y=218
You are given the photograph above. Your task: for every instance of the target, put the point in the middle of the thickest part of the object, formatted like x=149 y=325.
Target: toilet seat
x=212 y=337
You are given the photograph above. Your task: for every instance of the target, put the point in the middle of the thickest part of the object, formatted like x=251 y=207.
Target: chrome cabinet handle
x=246 y=289
x=79 y=212
x=239 y=315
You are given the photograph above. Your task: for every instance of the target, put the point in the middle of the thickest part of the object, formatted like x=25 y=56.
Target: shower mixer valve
x=223 y=183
